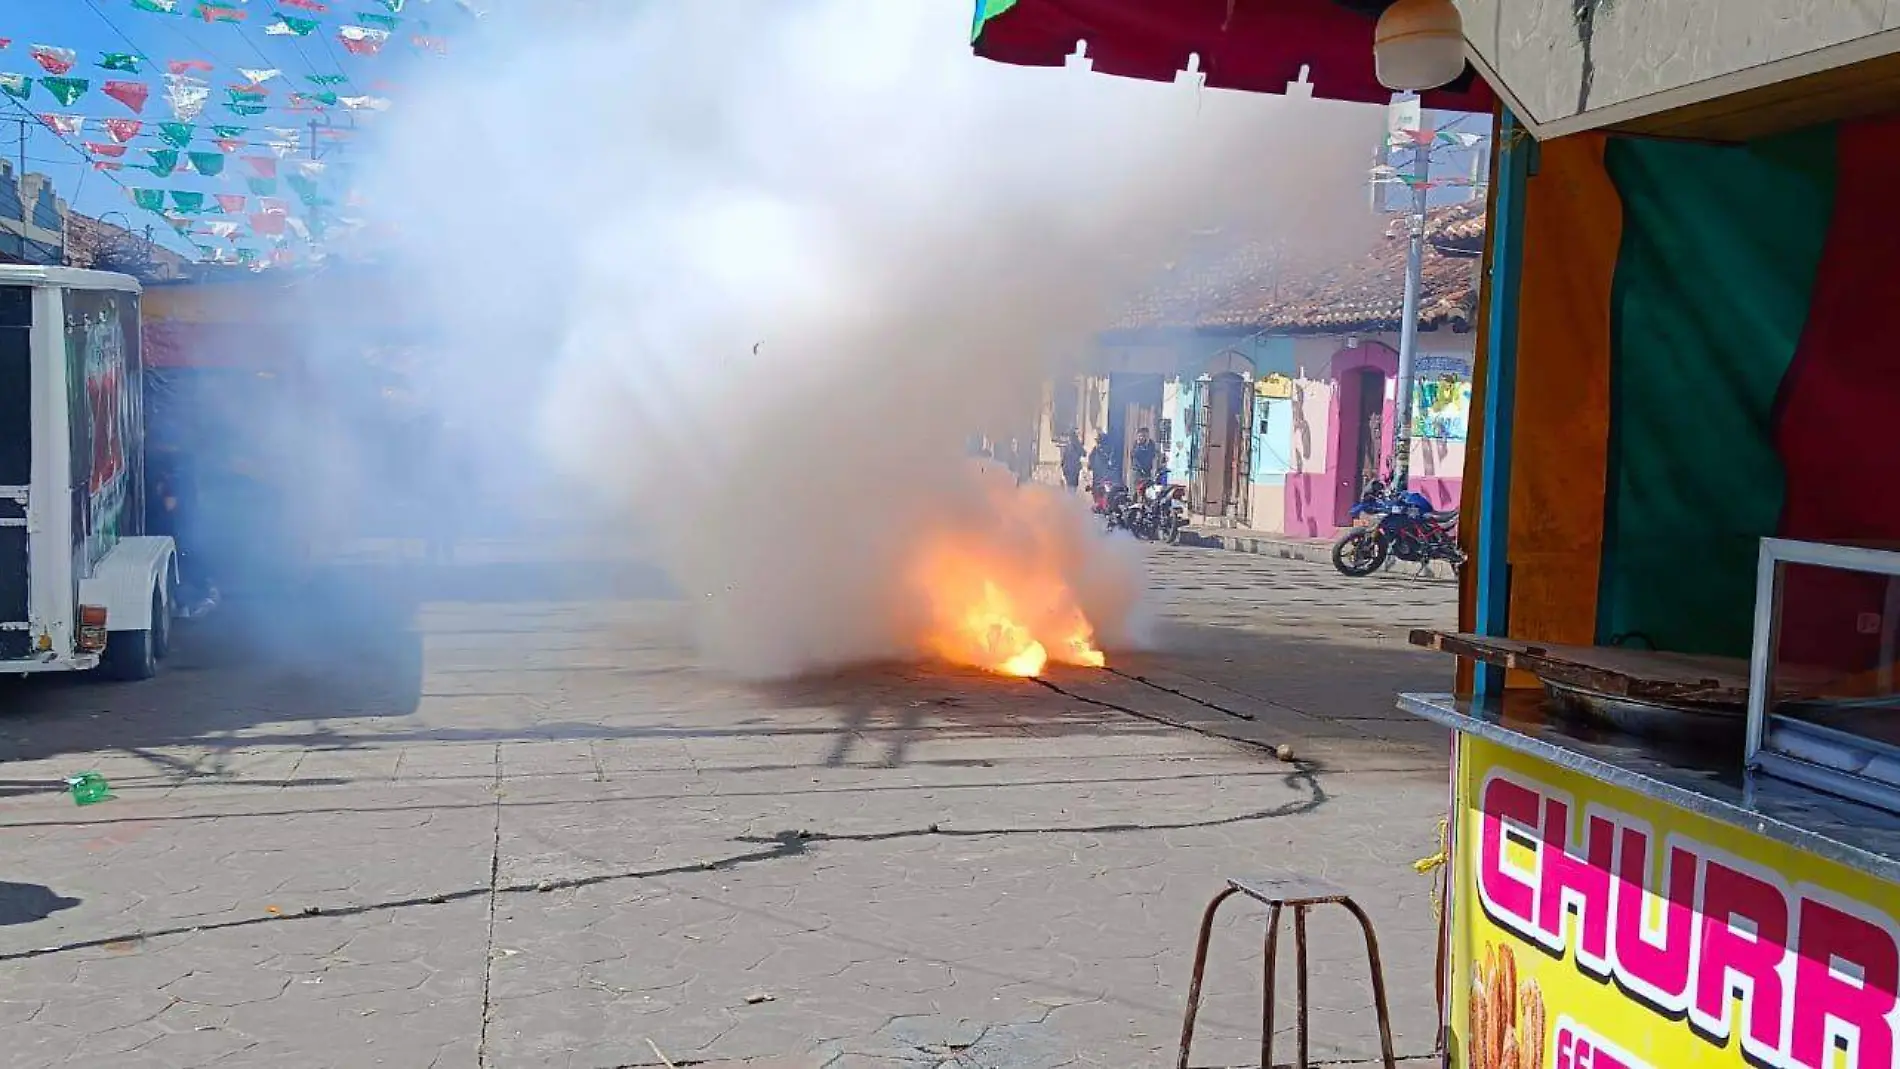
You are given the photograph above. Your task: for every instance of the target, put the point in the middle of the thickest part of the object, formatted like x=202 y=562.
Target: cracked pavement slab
x=497 y=815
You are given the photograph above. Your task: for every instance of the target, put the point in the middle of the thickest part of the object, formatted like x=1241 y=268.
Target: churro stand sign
x=1595 y=928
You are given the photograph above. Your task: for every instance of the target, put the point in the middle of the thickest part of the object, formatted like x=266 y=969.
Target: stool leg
x=1299 y=981
x=1266 y=999
x=1194 y=983
x=1378 y=984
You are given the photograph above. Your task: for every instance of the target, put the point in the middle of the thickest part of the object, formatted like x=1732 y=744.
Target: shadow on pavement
x=1328 y=677
x=1314 y=685
x=25 y=903
x=343 y=645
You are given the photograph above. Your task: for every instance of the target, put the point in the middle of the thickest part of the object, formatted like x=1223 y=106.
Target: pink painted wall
x=1438 y=470
x=1342 y=461
x=1306 y=498
x=1317 y=498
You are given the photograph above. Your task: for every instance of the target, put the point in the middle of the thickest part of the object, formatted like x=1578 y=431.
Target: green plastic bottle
x=89 y=788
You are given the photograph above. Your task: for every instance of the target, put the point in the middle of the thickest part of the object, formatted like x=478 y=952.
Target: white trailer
x=81 y=584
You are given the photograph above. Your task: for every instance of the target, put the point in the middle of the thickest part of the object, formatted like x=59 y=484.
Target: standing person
x=1072 y=459
x=1101 y=461
x=1145 y=458
x=171 y=510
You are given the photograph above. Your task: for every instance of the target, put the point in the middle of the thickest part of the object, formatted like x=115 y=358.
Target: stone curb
x=1310 y=550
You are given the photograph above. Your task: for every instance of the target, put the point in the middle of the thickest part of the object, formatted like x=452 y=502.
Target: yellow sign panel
x=1278 y=387
x=1595 y=928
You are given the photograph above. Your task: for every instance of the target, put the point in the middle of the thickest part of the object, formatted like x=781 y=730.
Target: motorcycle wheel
x=1360 y=552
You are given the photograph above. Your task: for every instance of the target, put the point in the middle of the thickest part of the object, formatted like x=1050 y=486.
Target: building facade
x=1278 y=404
x=32 y=219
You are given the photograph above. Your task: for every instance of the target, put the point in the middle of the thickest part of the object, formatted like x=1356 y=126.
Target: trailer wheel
x=133 y=655
x=162 y=600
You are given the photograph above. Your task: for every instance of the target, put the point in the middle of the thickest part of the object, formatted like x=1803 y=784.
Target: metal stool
x=1301 y=894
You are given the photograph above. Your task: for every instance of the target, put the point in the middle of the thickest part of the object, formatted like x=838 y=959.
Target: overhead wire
x=310 y=71
x=27 y=116
x=305 y=116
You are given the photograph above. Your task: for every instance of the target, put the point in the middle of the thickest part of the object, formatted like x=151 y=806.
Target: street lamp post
x=1408 y=327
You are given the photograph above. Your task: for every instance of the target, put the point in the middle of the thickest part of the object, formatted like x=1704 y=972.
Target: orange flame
x=987 y=614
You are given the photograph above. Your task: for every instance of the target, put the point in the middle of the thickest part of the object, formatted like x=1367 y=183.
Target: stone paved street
x=497 y=816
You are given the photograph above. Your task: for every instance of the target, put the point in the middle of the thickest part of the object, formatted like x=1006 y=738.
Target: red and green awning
x=1705 y=362
x=1253 y=45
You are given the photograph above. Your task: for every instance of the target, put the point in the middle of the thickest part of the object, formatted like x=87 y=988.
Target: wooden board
x=1613 y=671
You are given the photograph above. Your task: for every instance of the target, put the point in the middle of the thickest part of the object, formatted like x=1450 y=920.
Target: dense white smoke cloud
x=756 y=270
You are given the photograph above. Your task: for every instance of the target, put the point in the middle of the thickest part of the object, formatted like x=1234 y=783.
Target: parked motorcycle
x=1165 y=512
x=1154 y=512
x=1387 y=524
x=1111 y=503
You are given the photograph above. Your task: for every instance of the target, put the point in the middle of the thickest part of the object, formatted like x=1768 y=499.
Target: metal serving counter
x=1701 y=775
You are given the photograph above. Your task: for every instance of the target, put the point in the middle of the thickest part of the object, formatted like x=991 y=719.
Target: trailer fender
x=123 y=582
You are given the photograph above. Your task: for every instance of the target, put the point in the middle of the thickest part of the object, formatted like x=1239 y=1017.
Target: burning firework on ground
x=1008 y=602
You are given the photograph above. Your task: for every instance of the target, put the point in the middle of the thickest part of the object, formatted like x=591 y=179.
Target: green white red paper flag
x=209 y=164
x=66 y=90
x=121 y=61
x=64 y=125
x=164 y=161
x=157 y=7
x=132 y=94
x=221 y=13
x=291 y=26
x=152 y=200
x=55 y=60
x=123 y=130
x=362 y=40
x=17 y=86
x=187 y=97
x=188 y=203
x=177 y=134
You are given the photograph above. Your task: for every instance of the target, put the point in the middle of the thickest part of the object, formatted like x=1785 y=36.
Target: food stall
x=1676 y=815
x=1675 y=832
x=1675 y=794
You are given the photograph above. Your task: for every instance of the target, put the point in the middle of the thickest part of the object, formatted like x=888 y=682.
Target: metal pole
x=1408 y=328
x=1492 y=559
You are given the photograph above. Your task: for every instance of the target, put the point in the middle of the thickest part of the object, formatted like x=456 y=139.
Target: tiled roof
x=1249 y=287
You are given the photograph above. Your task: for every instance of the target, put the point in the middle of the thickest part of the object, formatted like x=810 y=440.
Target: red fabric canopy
x=1255 y=45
